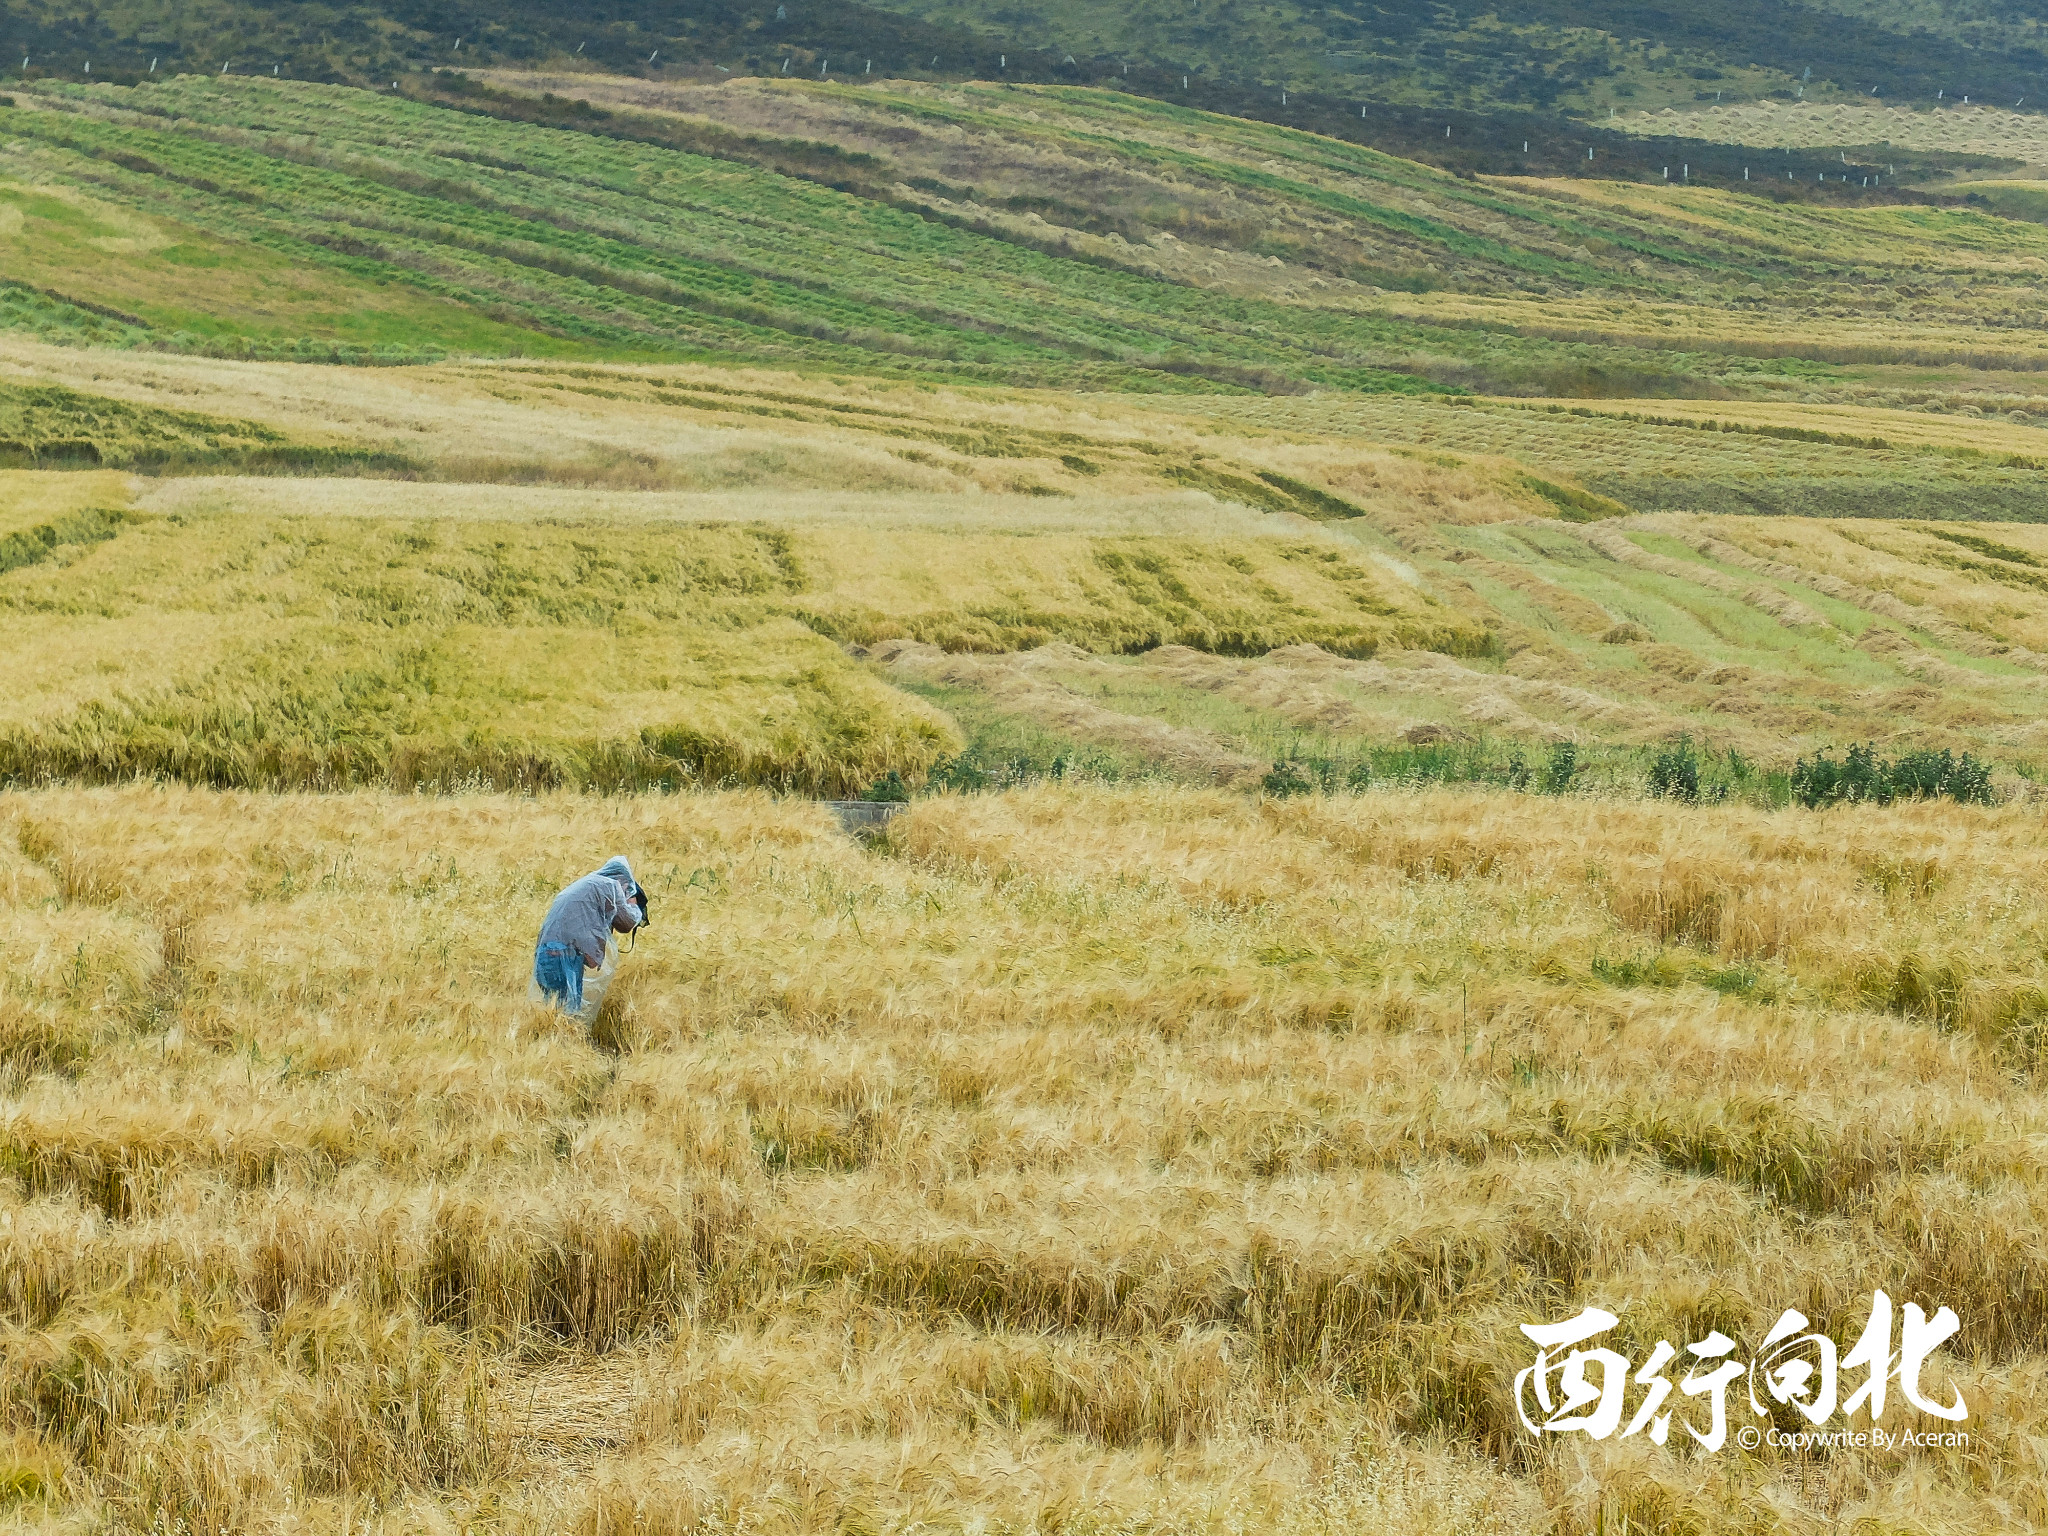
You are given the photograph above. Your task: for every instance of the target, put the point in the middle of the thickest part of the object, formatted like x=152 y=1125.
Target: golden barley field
x=1074 y=1159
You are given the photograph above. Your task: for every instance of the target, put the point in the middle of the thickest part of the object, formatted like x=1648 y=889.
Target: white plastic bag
x=595 y=983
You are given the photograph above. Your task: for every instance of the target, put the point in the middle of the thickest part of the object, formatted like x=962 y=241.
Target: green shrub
x=1562 y=768
x=1300 y=776
x=1675 y=775
x=889 y=786
x=1863 y=777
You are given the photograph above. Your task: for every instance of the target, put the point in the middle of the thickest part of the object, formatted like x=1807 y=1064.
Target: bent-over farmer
x=579 y=923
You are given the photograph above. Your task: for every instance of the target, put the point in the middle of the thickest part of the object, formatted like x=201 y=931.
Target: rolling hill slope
x=198 y=211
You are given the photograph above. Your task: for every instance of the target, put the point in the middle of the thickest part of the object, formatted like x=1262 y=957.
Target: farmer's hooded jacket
x=582 y=915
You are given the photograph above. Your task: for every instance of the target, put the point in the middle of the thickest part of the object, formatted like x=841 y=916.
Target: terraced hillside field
x=816 y=586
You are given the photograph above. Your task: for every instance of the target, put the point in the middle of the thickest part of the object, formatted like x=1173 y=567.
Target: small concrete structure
x=863 y=816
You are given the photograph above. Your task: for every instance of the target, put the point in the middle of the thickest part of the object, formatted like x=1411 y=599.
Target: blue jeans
x=558 y=972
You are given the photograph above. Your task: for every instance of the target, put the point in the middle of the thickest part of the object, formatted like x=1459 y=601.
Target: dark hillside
x=1572 y=54
x=1854 y=54
x=371 y=42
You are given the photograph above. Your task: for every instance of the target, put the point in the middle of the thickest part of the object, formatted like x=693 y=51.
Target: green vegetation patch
x=45 y=426
x=52 y=317
x=32 y=545
x=1573 y=504
x=1865 y=776
x=2011 y=498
